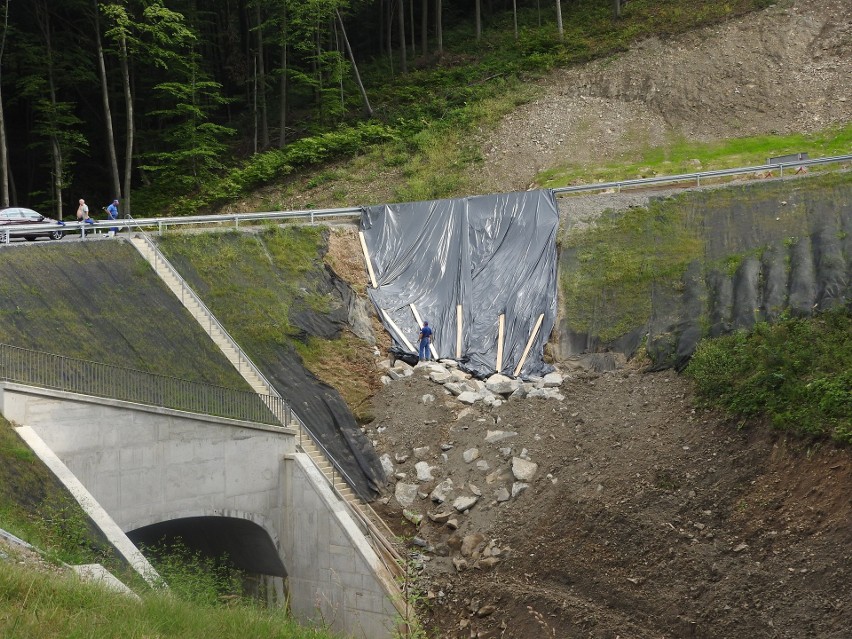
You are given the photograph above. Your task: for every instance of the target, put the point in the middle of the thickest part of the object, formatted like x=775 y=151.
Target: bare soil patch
x=647 y=517
x=783 y=70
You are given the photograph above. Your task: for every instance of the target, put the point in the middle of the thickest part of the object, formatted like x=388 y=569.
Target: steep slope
x=784 y=70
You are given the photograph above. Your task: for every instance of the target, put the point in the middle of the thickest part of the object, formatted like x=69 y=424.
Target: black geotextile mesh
x=490 y=255
x=768 y=249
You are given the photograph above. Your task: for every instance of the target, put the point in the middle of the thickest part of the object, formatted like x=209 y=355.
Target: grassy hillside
x=101 y=301
x=38 y=606
x=275 y=294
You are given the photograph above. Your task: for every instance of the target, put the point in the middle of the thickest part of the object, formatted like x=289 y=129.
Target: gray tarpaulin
x=490 y=254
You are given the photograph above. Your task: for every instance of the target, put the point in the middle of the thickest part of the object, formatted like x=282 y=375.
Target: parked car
x=17 y=215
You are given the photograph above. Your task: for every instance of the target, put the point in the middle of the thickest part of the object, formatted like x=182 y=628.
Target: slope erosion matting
x=100 y=301
x=704 y=263
x=277 y=298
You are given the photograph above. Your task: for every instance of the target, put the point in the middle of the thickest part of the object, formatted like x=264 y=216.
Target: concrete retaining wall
x=335 y=576
x=146 y=465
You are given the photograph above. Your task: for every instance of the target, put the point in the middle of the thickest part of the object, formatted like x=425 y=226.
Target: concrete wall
x=335 y=576
x=146 y=465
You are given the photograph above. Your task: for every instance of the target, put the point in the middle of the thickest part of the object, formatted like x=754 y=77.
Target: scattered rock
x=387 y=465
x=442 y=491
x=470 y=455
x=493 y=436
x=465 y=502
x=414 y=517
x=523 y=470
x=470 y=543
x=518 y=487
x=405 y=494
x=424 y=471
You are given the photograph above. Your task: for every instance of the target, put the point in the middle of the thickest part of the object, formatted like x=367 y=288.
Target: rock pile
x=468 y=390
x=444 y=484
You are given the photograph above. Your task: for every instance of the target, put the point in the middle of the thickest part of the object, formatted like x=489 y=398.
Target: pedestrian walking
x=425 y=342
x=112 y=213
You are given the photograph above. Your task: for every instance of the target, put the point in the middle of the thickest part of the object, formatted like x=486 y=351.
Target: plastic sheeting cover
x=490 y=255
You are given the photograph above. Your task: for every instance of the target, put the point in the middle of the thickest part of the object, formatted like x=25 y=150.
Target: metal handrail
x=63 y=373
x=242 y=357
x=290 y=414
x=683 y=177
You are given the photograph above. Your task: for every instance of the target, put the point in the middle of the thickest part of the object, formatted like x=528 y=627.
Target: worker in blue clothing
x=112 y=213
x=425 y=341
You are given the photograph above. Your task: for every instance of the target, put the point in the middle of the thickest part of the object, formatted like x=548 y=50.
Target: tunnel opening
x=236 y=557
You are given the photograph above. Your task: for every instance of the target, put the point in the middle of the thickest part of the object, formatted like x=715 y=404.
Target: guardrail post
x=781 y=168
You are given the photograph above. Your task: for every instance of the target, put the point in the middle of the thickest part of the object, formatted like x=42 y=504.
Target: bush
x=797 y=373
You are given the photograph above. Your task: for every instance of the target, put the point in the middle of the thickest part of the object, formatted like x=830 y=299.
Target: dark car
x=17 y=215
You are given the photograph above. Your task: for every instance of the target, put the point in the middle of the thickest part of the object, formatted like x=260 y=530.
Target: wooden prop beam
x=458 y=331
x=419 y=321
x=367 y=259
x=501 y=326
x=398 y=332
x=529 y=344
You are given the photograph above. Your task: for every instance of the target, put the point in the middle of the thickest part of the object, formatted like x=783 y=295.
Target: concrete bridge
x=224 y=486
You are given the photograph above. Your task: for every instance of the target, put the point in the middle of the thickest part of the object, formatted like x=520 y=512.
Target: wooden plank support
x=458 y=331
x=501 y=327
x=399 y=333
x=367 y=259
x=529 y=344
x=419 y=321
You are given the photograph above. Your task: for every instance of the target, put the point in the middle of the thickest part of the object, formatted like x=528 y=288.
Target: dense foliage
x=798 y=373
x=167 y=98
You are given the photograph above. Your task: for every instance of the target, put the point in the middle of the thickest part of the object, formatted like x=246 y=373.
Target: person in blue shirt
x=112 y=213
x=425 y=341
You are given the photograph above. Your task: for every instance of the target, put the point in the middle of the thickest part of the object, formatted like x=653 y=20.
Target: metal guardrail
x=58 y=372
x=697 y=177
x=312 y=215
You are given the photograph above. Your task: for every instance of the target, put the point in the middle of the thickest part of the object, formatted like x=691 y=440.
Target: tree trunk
x=439 y=33
x=254 y=114
x=389 y=25
x=559 y=20
x=424 y=26
x=515 y=16
x=128 y=101
x=282 y=113
x=411 y=25
x=368 y=110
x=4 y=154
x=477 y=7
x=113 y=158
x=261 y=70
x=403 y=62
x=616 y=8
x=43 y=17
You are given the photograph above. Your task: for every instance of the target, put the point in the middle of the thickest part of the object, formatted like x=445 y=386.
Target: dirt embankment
x=646 y=517
x=785 y=70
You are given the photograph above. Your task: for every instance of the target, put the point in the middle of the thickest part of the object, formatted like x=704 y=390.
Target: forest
x=151 y=101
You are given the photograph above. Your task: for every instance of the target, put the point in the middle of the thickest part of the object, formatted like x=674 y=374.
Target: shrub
x=797 y=373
